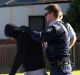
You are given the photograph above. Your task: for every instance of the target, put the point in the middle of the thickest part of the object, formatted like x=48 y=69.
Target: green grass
x=77 y=72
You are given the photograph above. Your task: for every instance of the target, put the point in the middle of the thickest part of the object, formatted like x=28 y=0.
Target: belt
x=59 y=62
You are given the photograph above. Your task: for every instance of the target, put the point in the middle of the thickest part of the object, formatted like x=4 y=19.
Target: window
x=37 y=23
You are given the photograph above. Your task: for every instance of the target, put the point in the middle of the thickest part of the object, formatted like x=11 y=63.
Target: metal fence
x=75 y=55
x=8 y=51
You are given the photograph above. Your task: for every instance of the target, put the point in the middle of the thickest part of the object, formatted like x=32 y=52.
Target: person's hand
x=24 y=28
x=66 y=67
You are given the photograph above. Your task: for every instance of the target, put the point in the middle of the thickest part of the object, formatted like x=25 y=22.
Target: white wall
x=18 y=15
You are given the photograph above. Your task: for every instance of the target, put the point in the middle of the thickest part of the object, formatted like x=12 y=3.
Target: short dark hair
x=55 y=9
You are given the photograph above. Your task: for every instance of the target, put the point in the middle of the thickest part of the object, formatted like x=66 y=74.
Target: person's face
x=49 y=16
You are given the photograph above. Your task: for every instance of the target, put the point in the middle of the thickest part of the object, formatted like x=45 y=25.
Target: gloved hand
x=66 y=67
x=25 y=28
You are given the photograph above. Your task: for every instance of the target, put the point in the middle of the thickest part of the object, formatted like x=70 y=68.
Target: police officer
x=56 y=36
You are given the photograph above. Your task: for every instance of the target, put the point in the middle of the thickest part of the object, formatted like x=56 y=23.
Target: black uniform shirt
x=56 y=36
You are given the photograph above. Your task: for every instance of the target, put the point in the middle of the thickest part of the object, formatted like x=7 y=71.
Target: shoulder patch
x=49 y=29
x=57 y=27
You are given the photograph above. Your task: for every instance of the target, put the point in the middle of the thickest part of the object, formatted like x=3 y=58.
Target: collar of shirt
x=54 y=22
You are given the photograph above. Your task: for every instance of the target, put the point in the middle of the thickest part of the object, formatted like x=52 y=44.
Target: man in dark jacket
x=56 y=36
x=29 y=53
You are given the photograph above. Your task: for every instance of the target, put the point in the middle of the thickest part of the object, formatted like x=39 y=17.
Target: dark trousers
x=56 y=70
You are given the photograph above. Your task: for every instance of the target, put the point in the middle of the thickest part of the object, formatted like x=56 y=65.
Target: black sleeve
x=11 y=30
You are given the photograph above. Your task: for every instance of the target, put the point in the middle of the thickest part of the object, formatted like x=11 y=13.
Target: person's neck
x=52 y=20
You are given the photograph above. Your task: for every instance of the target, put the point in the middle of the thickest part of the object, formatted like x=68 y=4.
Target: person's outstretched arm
x=41 y=36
